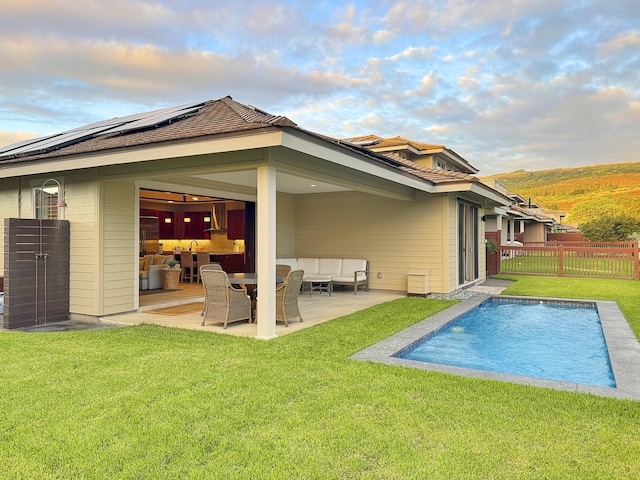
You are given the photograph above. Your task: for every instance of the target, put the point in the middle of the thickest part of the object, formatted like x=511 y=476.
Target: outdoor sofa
x=342 y=271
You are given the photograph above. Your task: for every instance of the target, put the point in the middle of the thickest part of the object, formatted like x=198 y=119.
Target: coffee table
x=317 y=283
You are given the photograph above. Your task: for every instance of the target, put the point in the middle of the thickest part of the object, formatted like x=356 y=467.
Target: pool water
x=560 y=342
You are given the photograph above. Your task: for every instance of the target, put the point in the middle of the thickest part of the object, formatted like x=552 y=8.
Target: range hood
x=218 y=218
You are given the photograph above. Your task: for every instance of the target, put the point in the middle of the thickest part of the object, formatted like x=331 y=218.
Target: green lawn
x=153 y=402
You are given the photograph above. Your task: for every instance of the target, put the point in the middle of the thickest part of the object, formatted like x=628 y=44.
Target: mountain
x=584 y=193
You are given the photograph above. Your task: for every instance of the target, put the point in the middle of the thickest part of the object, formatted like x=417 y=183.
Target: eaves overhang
x=353 y=157
x=219 y=143
x=492 y=197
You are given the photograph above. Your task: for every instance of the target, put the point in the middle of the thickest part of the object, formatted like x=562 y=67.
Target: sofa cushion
x=348 y=278
x=309 y=265
x=157 y=259
x=350 y=265
x=329 y=266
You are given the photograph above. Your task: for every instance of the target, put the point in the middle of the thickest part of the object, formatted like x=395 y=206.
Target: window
x=45 y=200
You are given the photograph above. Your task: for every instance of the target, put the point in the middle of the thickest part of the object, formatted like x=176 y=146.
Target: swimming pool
x=622 y=345
x=545 y=340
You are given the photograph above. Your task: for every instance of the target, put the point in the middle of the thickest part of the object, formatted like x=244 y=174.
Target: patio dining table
x=249 y=279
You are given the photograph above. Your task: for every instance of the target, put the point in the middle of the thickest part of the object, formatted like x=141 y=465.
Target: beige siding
x=118 y=225
x=82 y=197
x=285 y=225
x=534 y=232
x=395 y=236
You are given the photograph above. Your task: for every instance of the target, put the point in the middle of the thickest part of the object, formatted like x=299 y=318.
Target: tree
x=610 y=228
x=593 y=209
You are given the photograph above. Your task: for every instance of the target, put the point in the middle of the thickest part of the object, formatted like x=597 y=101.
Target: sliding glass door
x=467 y=242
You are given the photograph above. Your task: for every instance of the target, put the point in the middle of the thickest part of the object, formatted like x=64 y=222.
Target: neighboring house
x=305 y=195
x=522 y=221
x=426 y=154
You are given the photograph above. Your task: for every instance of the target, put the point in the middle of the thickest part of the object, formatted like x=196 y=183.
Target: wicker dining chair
x=223 y=302
x=282 y=270
x=209 y=266
x=189 y=267
x=287 y=297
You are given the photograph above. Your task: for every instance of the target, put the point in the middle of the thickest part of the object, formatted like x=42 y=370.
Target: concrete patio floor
x=315 y=309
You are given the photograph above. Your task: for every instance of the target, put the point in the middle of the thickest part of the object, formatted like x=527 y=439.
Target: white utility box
x=418 y=283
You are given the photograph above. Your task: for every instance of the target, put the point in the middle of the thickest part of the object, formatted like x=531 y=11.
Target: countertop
x=209 y=252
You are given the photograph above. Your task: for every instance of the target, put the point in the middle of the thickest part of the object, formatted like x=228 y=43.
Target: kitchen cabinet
x=177 y=228
x=235 y=224
x=231 y=263
x=166 y=229
x=195 y=227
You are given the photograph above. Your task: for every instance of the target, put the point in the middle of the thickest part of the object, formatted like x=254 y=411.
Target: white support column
x=266 y=252
x=512 y=230
x=500 y=220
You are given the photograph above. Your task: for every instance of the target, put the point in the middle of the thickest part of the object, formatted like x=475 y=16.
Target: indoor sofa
x=151 y=267
x=342 y=271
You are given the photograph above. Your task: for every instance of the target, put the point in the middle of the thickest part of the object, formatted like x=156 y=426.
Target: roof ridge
x=252 y=114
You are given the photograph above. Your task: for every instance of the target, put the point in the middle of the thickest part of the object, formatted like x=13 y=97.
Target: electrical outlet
x=379 y=274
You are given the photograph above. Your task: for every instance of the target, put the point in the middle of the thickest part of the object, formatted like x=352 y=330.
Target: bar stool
x=189 y=267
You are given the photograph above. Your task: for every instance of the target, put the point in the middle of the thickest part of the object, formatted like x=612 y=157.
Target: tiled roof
x=532 y=213
x=394 y=142
x=434 y=175
x=216 y=117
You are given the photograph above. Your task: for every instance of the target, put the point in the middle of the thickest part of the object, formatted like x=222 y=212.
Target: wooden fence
x=572 y=259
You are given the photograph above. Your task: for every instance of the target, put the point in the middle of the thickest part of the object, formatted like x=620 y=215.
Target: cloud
x=515 y=85
x=623 y=41
x=414 y=53
x=7 y=138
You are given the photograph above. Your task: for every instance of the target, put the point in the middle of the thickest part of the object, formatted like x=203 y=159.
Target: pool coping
x=624 y=348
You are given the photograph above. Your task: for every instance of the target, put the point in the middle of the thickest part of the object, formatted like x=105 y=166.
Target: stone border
x=624 y=349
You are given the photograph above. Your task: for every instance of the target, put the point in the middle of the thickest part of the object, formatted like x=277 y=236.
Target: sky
x=507 y=84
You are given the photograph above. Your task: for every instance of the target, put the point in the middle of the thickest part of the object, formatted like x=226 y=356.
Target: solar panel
x=21 y=143
x=155 y=118
x=58 y=141
x=113 y=125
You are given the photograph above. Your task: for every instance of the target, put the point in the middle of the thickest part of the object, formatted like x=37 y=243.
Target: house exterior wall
x=395 y=236
x=285 y=225
x=534 y=232
x=81 y=195
x=118 y=223
x=424 y=160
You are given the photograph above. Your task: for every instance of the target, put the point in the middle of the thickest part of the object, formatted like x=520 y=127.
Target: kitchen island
x=230 y=261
